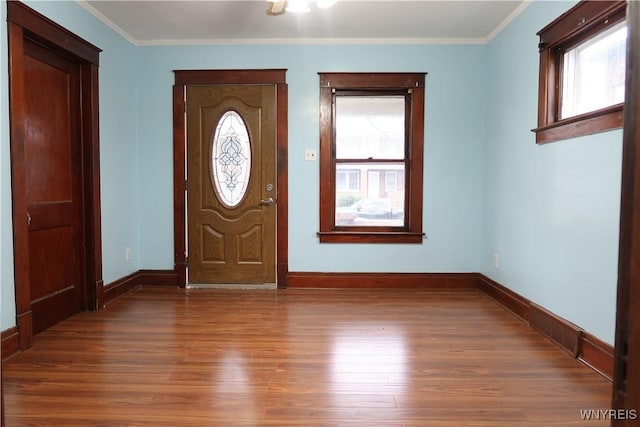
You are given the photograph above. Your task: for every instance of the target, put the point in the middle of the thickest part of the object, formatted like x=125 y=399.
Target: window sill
x=583 y=124
x=370 y=237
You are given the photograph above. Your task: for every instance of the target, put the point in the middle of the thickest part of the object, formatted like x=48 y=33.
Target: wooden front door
x=53 y=177
x=231 y=184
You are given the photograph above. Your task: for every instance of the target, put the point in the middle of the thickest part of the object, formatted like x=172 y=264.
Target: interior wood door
x=52 y=160
x=626 y=377
x=231 y=184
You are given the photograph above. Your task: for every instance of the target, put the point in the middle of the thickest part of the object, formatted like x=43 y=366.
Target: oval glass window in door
x=231 y=159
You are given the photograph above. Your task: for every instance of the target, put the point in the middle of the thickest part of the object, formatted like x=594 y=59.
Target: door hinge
x=185 y=185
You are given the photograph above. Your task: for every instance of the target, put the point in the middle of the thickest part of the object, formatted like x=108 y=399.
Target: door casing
x=26 y=24
x=184 y=78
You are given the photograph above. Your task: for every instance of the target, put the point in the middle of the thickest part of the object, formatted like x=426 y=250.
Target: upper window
x=582 y=71
x=371 y=155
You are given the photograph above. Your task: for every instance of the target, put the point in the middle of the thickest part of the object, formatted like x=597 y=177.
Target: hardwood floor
x=299 y=357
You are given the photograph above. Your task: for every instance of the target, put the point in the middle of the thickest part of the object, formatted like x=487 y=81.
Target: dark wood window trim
x=184 y=78
x=578 y=24
x=412 y=233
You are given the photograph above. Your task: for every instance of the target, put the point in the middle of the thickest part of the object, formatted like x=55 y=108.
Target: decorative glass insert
x=231 y=159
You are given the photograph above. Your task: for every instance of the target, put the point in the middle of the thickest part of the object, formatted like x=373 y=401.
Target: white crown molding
x=309 y=41
x=109 y=23
x=506 y=21
x=314 y=41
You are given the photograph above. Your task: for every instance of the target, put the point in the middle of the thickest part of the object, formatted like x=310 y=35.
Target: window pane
x=391 y=180
x=594 y=72
x=374 y=202
x=370 y=127
x=347 y=180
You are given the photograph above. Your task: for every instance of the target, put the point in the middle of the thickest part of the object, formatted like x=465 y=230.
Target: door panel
x=227 y=242
x=53 y=181
x=48 y=250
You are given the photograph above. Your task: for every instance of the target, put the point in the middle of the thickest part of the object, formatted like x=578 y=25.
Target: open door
x=626 y=378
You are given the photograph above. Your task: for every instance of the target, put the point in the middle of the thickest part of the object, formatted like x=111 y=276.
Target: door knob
x=267 y=202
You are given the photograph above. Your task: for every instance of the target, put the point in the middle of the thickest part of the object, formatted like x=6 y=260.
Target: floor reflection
x=235 y=386
x=298 y=358
x=367 y=357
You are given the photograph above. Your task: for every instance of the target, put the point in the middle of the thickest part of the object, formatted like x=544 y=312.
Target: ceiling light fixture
x=279 y=7
x=276 y=7
x=298 y=6
x=325 y=4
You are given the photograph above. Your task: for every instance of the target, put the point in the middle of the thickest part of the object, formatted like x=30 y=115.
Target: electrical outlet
x=127 y=254
x=310 y=154
x=496 y=261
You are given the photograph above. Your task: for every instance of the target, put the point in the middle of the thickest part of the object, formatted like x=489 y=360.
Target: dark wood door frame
x=184 y=78
x=626 y=377
x=26 y=24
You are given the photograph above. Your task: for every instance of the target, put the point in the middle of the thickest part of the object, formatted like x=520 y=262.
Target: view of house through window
x=370 y=160
x=594 y=72
x=371 y=157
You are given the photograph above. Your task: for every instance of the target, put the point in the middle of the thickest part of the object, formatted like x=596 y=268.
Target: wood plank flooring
x=299 y=357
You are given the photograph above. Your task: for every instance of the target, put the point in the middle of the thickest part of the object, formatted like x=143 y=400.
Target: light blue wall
x=118 y=134
x=7 y=305
x=118 y=147
x=455 y=92
x=551 y=211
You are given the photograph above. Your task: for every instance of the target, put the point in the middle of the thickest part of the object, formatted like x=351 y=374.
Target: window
x=390 y=181
x=347 y=180
x=371 y=156
x=593 y=73
x=582 y=71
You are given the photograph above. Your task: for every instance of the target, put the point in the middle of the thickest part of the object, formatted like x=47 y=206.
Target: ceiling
x=245 y=21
